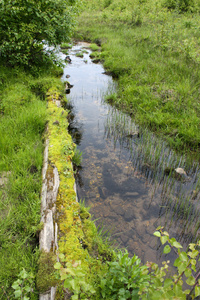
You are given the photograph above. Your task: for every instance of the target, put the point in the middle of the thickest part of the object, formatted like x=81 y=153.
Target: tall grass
x=154 y=54
x=22 y=123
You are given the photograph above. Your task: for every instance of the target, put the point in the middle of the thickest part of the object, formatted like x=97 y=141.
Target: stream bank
x=68 y=237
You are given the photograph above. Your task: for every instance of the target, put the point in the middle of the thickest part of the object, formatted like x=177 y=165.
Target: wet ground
x=123 y=177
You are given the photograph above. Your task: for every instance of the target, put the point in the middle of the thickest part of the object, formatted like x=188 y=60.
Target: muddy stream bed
x=127 y=175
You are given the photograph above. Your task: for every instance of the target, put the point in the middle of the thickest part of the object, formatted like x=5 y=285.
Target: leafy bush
x=180 y=5
x=23 y=286
x=163 y=287
x=124 y=279
x=26 y=25
x=74 y=278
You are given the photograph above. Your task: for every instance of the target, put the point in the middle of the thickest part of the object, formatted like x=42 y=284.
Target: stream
x=125 y=175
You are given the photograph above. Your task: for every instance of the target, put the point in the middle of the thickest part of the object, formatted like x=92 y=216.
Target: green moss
x=46 y=276
x=78 y=238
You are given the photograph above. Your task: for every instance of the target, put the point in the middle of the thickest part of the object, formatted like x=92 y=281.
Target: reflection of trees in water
x=151 y=157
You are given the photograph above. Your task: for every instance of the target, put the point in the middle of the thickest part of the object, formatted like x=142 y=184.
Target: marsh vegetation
x=152 y=48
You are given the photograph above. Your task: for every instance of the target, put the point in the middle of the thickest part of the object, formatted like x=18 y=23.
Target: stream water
x=123 y=176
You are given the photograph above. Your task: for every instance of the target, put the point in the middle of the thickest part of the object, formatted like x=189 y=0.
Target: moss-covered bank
x=78 y=240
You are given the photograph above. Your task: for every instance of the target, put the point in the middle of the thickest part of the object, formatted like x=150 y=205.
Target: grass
x=22 y=122
x=153 y=53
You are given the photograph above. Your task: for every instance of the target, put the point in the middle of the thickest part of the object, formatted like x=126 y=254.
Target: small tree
x=25 y=25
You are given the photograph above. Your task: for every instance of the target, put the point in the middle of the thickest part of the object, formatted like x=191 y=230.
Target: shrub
x=125 y=278
x=26 y=25
x=180 y=5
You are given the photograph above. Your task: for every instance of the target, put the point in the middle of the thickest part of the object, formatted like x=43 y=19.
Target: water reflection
x=123 y=177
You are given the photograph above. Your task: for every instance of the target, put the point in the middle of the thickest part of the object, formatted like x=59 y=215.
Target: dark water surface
x=122 y=177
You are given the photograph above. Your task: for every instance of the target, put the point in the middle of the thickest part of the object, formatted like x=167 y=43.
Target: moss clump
x=46 y=276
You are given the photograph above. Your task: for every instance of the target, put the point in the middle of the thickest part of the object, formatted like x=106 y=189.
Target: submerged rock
x=178 y=173
x=68 y=59
x=68 y=86
x=96 y=60
x=129 y=215
x=133 y=135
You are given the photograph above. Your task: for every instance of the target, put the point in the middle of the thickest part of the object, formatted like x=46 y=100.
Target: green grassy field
x=22 y=122
x=154 y=53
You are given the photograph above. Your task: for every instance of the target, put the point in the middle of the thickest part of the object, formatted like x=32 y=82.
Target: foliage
x=179 y=5
x=74 y=278
x=23 y=285
x=163 y=287
x=124 y=279
x=77 y=158
x=27 y=25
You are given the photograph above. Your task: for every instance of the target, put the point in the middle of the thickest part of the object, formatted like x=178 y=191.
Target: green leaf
x=163 y=239
x=166 y=233
x=190 y=280
x=168 y=282
x=57 y=266
x=193 y=268
x=64 y=276
x=178 y=290
x=66 y=284
x=159 y=227
x=192 y=246
x=183 y=256
x=193 y=262
x=17 y=293
x=197 y=291
x=15 y=285
x=176 y=245
x=166 y=249
x=28 y=289
x=177 y=262
x=72 y=272
x=62 y=256
x=193 y=253
x=182 y=267
x=157 y=295
x=188 y=272
x=23 y=274
x=172 y=240
x=157 y=233
x=73 y=284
